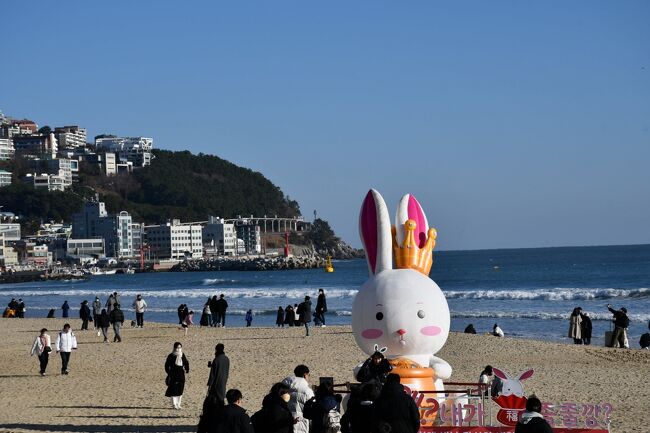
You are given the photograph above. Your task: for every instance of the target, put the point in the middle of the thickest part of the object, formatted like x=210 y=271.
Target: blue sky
x=516 y=124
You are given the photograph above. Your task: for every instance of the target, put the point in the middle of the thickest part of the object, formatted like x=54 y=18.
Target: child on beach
x=187 y=322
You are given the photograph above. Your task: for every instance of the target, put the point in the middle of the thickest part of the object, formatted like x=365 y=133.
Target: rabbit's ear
x=526 y=374
x=409 y=209
x=374 y=228
x=500 y=374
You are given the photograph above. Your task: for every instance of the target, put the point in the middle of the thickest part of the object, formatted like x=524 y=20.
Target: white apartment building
x=6 y=149
x=136 y=150
x=219 y=237
x=5 y=178
x=53 y=182
x=70 y=137
x=78 y=248
x=174 y=240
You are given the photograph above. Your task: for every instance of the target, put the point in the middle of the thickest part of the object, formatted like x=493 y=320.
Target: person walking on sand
x=585 y=328
x=139 y=305
x=301 y=393
x=66 y=342
x=621 y=323
x=304 y=310
x=97 y=310
x=249 y=318
x=188 y=321
x=65 y=308
x=42 y=347
x=531 y=420
x=176 y=366
x=84 y=315
x=214 y=311
x=321 y=308
x=104 y=322
x=575 y=328
x=117 y=319
x=222 y=306
x=219 y=371
x=279 y=319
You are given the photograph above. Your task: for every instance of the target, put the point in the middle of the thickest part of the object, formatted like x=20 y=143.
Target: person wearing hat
x=621 y=322
x=375 y=368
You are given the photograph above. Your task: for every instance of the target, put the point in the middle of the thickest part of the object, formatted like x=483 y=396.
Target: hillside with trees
x=175 y=185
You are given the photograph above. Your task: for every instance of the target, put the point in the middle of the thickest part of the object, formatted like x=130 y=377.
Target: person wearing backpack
x=66 y=342
x=621 y=323
x=323 y=410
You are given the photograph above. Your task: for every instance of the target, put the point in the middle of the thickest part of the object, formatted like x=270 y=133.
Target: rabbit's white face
x=402 y=310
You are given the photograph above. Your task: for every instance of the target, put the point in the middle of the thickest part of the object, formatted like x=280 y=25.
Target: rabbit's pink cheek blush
x=371 y=334
x=431 y=330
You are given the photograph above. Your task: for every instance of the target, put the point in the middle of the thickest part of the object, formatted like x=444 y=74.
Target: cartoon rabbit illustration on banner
x=399 y=307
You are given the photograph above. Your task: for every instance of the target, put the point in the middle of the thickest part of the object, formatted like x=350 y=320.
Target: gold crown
x=409 y=255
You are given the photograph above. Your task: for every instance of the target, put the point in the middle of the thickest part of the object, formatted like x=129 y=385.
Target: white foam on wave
x=643 y=318
x=557 y=294
x=214 y=281
x=258 y=293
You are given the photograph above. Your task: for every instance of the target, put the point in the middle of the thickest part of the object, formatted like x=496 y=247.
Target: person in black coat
x=176 y=366
x=222 y=306
x=531 y=420
x=585 y=328
x=396 y=408
x=279 y=320
x=84 y=315
x=470 y=329
x=321 y=308
x=304 y=311
x=219 y=371
x=289 y=316
x=181 y=313
x=320 y=405
x=214 y=310
x=358 y=417
x=275 y=414
x=103 y=322
x=376 y=368
x=233 y=417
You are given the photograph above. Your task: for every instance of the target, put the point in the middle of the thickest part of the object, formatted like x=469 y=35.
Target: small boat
x=329 y=267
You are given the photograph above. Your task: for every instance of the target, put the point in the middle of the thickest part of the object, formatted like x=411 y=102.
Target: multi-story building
x=26 y=125
x=174 y=240
x=136 y=150
x=80 y=248
x=250 y=234
x=11 y=231
x=68 y=169
x=6 y=149
x=8 y=255
x=94 y=222
x=32 y=254
x=219 y=237
x=5 y=178
x=36 y=145
x=51 y=182
x=70 y=137
x=137 y=233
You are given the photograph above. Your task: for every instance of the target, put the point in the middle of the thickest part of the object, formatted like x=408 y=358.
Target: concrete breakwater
x=250 y=264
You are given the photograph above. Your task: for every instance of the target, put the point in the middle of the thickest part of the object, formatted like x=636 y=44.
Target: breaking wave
x=557 y=294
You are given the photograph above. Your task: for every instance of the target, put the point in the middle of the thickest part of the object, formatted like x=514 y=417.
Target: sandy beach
x=120 y=386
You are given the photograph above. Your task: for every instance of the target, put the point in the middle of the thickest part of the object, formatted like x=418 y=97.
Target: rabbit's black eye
x=379 y=315
x=421 y=314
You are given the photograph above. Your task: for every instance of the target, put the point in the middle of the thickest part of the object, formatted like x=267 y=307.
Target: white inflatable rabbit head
x=512 y=385
x=400 y=309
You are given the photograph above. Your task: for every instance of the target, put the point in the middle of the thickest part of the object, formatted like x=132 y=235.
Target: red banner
x=486 y=429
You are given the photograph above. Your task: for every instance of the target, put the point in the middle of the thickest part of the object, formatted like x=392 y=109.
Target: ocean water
x=530 y=293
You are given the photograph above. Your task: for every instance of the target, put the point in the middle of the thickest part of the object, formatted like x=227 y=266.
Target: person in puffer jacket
x=66 y=342
x=531 y=420
x=301 y=392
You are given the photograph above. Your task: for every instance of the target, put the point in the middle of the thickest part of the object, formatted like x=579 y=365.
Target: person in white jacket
x=42 y=347
x=301 y=392
x=140 y=306
x=66 y=342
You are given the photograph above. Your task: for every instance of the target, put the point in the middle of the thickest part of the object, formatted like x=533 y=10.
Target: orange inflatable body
x=417 y=379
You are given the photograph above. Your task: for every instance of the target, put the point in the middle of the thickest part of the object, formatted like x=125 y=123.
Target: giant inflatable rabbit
x=399 y=307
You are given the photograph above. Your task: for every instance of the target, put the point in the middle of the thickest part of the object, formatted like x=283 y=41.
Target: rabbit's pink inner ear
x=500 y=374
x=369 y=229
x=526 y=375
x=416 y=213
